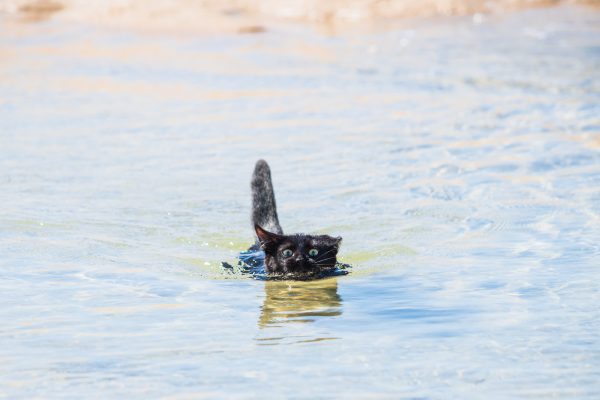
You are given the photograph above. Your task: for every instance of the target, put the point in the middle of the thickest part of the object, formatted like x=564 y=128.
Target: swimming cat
x=299 y=254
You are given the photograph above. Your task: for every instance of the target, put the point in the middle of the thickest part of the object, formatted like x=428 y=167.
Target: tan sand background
x=251 y=16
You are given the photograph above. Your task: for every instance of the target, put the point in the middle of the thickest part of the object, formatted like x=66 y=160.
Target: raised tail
x=264 y=210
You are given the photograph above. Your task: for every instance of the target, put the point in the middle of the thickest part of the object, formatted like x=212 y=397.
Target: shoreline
x=251 y=17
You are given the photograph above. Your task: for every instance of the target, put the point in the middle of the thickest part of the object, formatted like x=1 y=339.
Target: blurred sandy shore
x=251 y=16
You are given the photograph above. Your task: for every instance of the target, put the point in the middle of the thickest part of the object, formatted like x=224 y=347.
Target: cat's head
x=298 y=254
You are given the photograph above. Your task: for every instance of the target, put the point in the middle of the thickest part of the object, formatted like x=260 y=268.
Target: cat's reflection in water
x=299 y=301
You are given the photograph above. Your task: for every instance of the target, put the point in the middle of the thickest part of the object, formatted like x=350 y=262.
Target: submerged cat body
x=298 y=255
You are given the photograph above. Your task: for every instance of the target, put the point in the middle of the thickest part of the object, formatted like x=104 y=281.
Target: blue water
x=458 y=158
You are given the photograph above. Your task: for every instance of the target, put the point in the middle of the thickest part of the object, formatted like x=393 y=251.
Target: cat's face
x=298 y=254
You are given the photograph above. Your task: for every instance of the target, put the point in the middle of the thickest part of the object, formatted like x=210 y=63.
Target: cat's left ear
x=335 y=242
x=266 y=239
x=338 y=242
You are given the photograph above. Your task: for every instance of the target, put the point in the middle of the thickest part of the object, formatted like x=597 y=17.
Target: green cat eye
x=313 y=252
x=287 y=253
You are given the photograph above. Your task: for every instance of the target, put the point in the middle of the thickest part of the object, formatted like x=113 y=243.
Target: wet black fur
x=274 y=243
x=264 y=209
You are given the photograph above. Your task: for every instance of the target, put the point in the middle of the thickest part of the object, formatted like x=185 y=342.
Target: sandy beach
x=248 y=16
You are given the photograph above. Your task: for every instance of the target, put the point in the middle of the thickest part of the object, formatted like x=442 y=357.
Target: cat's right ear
x=266 y=239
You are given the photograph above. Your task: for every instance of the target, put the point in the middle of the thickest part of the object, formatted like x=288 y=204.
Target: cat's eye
x=313 y=252
x=287 y=253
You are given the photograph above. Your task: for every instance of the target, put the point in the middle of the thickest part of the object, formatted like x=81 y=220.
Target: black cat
x=297 y=255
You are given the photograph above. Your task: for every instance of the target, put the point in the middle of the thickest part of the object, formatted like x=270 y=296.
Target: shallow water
x=459 y=159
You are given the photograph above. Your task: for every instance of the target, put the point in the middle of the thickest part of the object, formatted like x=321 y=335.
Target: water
x=458 y=158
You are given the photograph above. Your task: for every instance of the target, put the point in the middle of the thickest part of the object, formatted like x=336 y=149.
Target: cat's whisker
x=325 y=261
x=327 y=252
x=330 y=250
x=327 y=258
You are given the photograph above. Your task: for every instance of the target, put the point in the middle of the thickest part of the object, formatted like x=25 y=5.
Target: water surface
x=458 y=158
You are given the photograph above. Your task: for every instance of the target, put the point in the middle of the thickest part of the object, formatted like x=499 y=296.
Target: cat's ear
x=334 y=242
x=266 y=239
x=338 y=242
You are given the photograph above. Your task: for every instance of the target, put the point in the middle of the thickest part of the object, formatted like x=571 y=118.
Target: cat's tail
x=264 y=210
